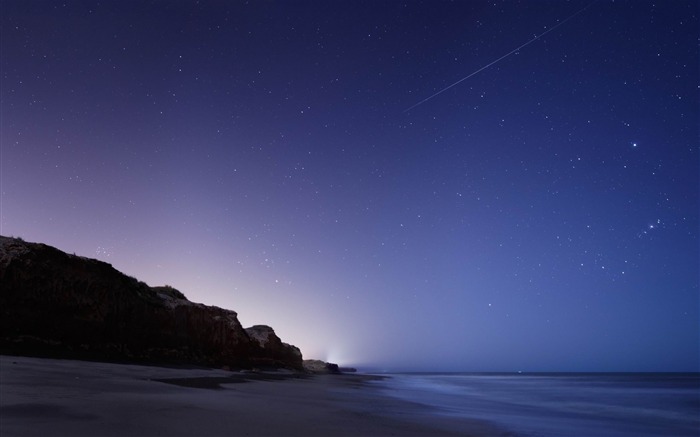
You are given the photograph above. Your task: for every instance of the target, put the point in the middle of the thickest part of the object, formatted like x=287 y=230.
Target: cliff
x=274 y=352
x=318 y=366
x=56 y=304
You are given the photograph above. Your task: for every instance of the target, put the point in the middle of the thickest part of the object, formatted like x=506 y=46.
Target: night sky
x=541 y=214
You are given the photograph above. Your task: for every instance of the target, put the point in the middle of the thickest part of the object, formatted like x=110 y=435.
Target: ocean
x=560 y=404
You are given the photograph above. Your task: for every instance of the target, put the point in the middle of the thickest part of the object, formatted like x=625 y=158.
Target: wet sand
x=40 y=397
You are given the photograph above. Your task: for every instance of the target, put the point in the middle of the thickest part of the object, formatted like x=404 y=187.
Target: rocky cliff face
x=318 y=366
x=273 y=349
x=64 y=305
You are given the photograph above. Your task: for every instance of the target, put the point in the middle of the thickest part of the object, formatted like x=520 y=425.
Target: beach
x=41 y=396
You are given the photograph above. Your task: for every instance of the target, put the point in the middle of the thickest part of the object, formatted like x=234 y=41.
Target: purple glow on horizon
x=541 y=215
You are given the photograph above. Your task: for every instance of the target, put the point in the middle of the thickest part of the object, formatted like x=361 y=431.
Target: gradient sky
x=540 y=215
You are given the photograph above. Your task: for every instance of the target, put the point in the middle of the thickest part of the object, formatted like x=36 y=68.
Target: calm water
x=560 y=405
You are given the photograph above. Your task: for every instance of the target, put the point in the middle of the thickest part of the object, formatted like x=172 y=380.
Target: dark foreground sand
x=49 y=397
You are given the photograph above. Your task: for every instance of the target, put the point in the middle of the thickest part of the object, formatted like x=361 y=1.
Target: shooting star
x=502 y=57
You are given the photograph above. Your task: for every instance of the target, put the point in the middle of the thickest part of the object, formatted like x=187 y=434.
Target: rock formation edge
x=61 y=305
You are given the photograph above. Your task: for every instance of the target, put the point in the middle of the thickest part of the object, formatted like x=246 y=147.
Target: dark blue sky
x=540 y=215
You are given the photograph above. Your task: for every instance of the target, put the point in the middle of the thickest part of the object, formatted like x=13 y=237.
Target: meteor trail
x=502 y=57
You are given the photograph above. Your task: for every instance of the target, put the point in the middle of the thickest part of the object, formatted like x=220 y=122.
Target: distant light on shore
x=336 y=356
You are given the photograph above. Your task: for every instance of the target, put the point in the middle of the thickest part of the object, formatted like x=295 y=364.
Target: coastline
x=45 y=396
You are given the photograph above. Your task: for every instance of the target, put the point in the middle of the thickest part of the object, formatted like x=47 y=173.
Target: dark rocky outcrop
x=56 y=304
x=275 y=353
x=318 y=366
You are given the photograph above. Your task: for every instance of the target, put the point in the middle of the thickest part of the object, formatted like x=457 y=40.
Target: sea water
x=560 y=405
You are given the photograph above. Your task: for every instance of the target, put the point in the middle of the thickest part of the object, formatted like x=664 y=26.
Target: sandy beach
x=40 y=396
